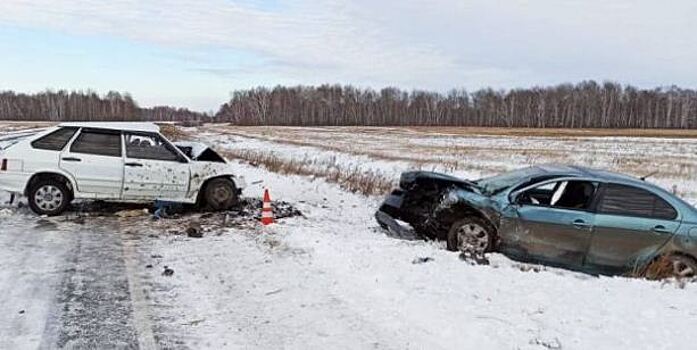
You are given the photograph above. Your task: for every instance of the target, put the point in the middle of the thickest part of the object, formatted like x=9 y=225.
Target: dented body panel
x=590 y=238
x=204 y=171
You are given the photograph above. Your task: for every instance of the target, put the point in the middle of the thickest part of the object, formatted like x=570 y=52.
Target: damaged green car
x=583 y=219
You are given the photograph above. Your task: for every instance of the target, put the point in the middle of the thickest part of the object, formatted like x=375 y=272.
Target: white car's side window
x=144 y=146
x=98 y=142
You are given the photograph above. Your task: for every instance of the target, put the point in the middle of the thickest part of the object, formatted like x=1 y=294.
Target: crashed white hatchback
x=130 y=162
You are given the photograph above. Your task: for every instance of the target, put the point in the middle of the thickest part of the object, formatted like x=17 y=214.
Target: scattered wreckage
x=124 y=162
x=584 y=219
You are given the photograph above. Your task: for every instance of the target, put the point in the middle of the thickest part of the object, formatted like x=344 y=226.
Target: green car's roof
x=573 y=170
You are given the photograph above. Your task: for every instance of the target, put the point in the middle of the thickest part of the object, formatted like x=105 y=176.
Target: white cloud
x=300 y=37
x=411 y=43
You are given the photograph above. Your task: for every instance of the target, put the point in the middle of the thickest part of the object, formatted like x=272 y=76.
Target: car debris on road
x=194 y=230
x=167 y=271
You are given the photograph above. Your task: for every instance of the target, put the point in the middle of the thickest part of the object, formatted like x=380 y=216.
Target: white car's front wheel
x=220 y=194
x=49 y=197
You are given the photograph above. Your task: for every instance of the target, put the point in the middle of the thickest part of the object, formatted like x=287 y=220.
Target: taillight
x=3 y=166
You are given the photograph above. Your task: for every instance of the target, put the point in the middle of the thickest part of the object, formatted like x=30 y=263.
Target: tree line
x=85 y=106
x=584 y=105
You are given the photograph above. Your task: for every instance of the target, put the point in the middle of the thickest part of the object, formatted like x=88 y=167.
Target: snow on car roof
x=128 y=126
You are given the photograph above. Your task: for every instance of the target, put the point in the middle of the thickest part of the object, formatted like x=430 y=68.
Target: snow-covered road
x=66 y=284
x=33 y=260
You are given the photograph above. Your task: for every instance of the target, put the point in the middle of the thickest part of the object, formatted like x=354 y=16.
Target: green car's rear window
x=632 y=201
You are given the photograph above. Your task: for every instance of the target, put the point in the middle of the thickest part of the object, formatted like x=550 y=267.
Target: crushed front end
x=416 y=200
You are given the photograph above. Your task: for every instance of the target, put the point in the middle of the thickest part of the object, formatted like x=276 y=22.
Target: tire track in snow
x=141 y=316
x=94 y=306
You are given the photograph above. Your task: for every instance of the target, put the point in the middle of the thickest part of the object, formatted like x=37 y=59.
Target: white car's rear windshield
x=10 y=139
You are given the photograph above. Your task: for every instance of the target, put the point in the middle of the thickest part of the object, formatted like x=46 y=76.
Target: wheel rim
x=683 y=269
x=472 y=237
x=48 y=198
x=221 y=194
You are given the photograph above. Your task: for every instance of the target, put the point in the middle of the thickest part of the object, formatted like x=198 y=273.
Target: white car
x=129 y=162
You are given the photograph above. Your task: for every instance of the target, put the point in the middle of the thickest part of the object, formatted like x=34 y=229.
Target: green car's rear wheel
x=682 y=266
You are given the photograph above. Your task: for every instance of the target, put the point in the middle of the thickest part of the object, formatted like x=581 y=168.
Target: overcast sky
x=192 y=53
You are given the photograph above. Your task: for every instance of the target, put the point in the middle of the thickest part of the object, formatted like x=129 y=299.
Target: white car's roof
x=125 y=126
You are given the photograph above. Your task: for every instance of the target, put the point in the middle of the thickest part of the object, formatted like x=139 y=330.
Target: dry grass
x=483 y=131
x=349 y=178
x=7 y=126
x=420 y=163
x=667 y=133
x=659 y=269
x=464 y=151
x=173 y=133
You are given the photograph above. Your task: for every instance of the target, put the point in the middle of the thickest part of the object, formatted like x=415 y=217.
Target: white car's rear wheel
x=49 y=197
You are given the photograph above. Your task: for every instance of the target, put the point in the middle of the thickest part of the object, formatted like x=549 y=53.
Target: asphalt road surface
x=70 y=284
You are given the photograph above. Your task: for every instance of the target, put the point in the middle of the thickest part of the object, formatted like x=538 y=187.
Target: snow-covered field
x=390 y=151
x=332 y=279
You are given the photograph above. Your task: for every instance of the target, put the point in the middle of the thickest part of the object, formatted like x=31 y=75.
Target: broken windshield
x=495 y=184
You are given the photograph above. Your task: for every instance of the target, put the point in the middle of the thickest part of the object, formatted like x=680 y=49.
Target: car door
x=154 y=169
x=94 y=159
x=552 y=222
x=631 y=223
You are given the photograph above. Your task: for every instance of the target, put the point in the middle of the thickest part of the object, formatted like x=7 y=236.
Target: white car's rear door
x=95 y=160
x=154 y=169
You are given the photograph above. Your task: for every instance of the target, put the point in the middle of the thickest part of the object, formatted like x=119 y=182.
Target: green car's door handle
x=580 y=224
x=660 y=229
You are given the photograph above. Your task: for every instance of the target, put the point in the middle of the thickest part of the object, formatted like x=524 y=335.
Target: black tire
x=220 y=194
x=478 y=226
x=49 y=197
x=682 y=266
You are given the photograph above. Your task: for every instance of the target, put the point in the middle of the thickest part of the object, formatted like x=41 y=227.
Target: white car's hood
x=199 y=152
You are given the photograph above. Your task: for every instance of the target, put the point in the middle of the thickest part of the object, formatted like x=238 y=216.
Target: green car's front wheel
x=471 y=235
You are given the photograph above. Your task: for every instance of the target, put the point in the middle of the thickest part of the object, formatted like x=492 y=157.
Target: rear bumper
x=13 y=182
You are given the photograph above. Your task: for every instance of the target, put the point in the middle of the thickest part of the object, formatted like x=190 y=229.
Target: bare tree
x=85 y=106
x=583 y=105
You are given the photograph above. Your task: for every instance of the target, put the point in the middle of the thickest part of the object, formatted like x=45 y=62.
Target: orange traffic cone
x=266 y=211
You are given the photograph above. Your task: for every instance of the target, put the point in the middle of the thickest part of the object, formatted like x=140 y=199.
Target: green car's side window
x=565 y=194
x=632 y=201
